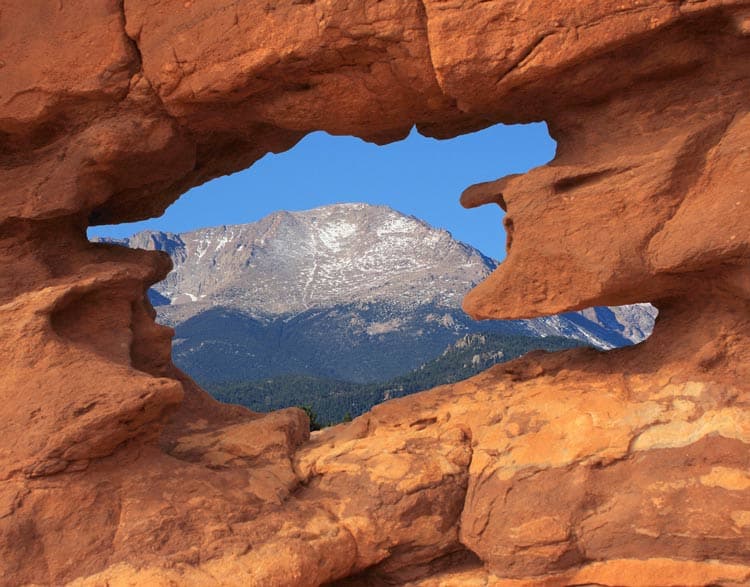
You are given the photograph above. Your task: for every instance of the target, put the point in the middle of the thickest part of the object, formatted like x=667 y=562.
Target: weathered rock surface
x=621 y=468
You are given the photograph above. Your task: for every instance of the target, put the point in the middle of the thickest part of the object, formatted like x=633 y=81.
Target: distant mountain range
x=347 y=292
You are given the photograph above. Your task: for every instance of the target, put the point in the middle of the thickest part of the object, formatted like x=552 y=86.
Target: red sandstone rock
x=621 y=468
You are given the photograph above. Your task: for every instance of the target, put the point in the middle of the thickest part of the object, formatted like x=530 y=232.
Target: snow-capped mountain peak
x=293 y=261
x=350 y=255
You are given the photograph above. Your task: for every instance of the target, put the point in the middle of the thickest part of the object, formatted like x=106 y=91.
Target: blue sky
x=418 y=176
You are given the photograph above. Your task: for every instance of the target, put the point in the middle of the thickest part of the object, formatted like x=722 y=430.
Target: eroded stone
x=573 y=468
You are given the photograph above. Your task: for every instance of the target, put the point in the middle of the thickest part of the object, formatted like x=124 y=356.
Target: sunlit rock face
x=628 y=467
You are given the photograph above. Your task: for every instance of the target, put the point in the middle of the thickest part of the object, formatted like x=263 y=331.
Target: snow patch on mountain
x=347 y=254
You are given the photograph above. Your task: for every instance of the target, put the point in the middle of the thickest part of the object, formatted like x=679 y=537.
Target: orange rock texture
x=626 y=468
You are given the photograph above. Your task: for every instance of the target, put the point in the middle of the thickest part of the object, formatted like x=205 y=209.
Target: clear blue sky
x=418 y=176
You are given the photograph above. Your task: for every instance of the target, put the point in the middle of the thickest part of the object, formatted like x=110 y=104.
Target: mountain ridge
x=332 y=254
x=351 y=291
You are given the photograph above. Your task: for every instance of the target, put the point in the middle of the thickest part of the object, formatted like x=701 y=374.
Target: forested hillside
x=333 y=400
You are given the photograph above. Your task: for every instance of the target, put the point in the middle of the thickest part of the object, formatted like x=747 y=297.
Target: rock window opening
x=331 y=275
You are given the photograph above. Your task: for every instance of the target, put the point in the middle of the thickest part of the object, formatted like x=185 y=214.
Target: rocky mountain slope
x=290 y=262
x=348 y=291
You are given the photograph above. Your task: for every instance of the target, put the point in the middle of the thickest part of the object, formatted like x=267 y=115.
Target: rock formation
x=621 y=468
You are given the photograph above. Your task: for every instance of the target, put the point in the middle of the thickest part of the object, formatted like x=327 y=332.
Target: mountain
x=349 y=292
x=290 y=262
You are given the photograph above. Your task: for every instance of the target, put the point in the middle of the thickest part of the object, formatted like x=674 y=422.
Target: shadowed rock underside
x=621 y=468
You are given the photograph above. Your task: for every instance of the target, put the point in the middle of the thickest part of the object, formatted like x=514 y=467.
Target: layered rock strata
x=622 y=468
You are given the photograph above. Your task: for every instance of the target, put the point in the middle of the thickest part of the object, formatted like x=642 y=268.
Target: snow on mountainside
x=351 y=291
x=290 y=262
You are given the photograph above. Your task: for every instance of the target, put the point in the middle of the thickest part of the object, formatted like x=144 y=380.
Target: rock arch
x=574 y=467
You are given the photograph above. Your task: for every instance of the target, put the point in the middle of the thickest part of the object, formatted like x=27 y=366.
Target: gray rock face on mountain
x=290 y=262
x=352 y=291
